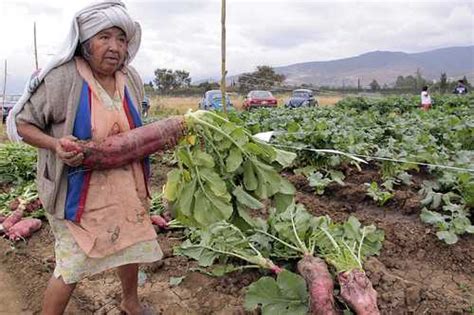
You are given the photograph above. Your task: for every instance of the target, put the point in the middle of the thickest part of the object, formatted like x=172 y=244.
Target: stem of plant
x=205 y=123
x=281 y=241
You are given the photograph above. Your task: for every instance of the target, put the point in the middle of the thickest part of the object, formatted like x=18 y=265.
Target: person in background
x=460 y=88
x=145 y=106
x=99 y=218
x=425 y=99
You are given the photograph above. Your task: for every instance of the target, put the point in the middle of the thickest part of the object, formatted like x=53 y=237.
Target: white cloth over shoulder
x=86 y=23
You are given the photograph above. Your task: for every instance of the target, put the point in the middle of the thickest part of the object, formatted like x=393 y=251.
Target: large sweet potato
x=123 y=148
x=12 y=219
x=320 y=285
x=358 y=293
x=23 y=229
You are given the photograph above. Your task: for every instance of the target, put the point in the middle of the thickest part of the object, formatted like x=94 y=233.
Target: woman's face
x=108 y=50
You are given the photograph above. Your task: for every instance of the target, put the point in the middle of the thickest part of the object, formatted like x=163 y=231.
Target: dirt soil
x=415 y=273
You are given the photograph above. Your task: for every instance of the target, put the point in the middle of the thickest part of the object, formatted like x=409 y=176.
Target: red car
x=256 y=99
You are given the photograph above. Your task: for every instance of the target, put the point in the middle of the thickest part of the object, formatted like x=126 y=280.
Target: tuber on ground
x=159 y=221
x=320 y=285
x=23 y=229
x=12 y=219
x=357 y=292
x=123 y=148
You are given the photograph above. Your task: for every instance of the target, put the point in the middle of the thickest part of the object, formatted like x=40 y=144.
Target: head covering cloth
x=85 y=24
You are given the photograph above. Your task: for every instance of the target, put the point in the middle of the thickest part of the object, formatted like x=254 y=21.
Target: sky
x=186 y=34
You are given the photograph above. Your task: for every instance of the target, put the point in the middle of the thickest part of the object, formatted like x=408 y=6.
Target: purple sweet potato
x=23 y=229
x=358 y=293
x=159 y=221
x=320 y=285
x=12 y=219
x=125 y=147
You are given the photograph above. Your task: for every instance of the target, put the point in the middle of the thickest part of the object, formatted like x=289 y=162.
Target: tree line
x=178 y=82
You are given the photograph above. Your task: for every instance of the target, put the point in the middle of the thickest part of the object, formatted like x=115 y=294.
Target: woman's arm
x=37 y=138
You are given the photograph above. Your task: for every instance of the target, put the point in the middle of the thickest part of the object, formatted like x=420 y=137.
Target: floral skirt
x=73 y=265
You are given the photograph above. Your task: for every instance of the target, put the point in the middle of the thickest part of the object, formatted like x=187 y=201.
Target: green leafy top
x=223 y=171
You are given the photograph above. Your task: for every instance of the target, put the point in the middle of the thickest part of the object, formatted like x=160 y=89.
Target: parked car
x=212 y=100
x=301 y=98
x=7 y=105
x=257 y=99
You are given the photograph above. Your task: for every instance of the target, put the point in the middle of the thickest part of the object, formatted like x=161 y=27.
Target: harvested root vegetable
x=12 y=219
x=159 y=221
x=167 y=215
x=23 y=229
x=357 y=292
x=2 y=218
x=123 y=148
x=320 y=284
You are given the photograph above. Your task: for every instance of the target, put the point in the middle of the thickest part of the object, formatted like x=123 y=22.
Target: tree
x=263 y=78
x=148 y=87
x=167 y=80
x=374 y=85
x=182 y=78
x=443 y=83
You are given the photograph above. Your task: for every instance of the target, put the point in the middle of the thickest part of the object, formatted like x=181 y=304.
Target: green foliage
x=452 y=222
x=17 y=163
x=391 y=133
x=320 y=181
x=263 y=78
x=377 y=194
x=221 y=241
x=295 y=232
x=223 y=171
x=285 y=295
x=167 y=80
x=157 y=205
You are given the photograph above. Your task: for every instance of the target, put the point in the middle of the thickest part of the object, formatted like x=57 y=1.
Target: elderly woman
x=99 y=218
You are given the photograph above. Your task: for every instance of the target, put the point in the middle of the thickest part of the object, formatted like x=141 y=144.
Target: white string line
x=375 y=158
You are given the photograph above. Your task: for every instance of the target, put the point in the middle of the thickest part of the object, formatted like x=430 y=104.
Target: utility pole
x=36 y=50
x=224 y=99
x=4 y=87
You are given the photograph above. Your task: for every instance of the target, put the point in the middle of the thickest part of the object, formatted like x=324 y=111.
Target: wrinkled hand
x=179 y=125
x=71 y=158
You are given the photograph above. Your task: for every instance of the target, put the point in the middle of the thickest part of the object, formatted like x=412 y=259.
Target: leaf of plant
x=287 y=295
x=174 y=281
x=234 y=160
x=448 y=237
x=201 y=158
x=246 y=199
x=185 y=202
x=285 y=158
x=431 y=217
x=172 y=182
x=250 y=179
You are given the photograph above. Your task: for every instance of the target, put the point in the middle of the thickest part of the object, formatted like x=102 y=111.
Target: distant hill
x=383 y=66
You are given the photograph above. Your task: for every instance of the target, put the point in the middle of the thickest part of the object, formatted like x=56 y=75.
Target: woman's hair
x=425 y=88
x=83 y=50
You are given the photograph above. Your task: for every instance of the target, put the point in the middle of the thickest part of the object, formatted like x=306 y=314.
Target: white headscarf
x=85 y=24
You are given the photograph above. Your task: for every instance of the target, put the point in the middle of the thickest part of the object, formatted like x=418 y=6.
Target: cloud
x=185 y=34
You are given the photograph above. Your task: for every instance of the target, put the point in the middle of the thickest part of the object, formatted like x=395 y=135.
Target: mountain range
x=383 y=66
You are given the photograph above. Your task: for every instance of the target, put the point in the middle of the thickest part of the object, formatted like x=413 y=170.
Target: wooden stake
x=4 y=88
x=224 y=99
x=36 y=50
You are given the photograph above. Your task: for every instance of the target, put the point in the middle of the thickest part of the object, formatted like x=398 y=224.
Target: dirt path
x=9 y=295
